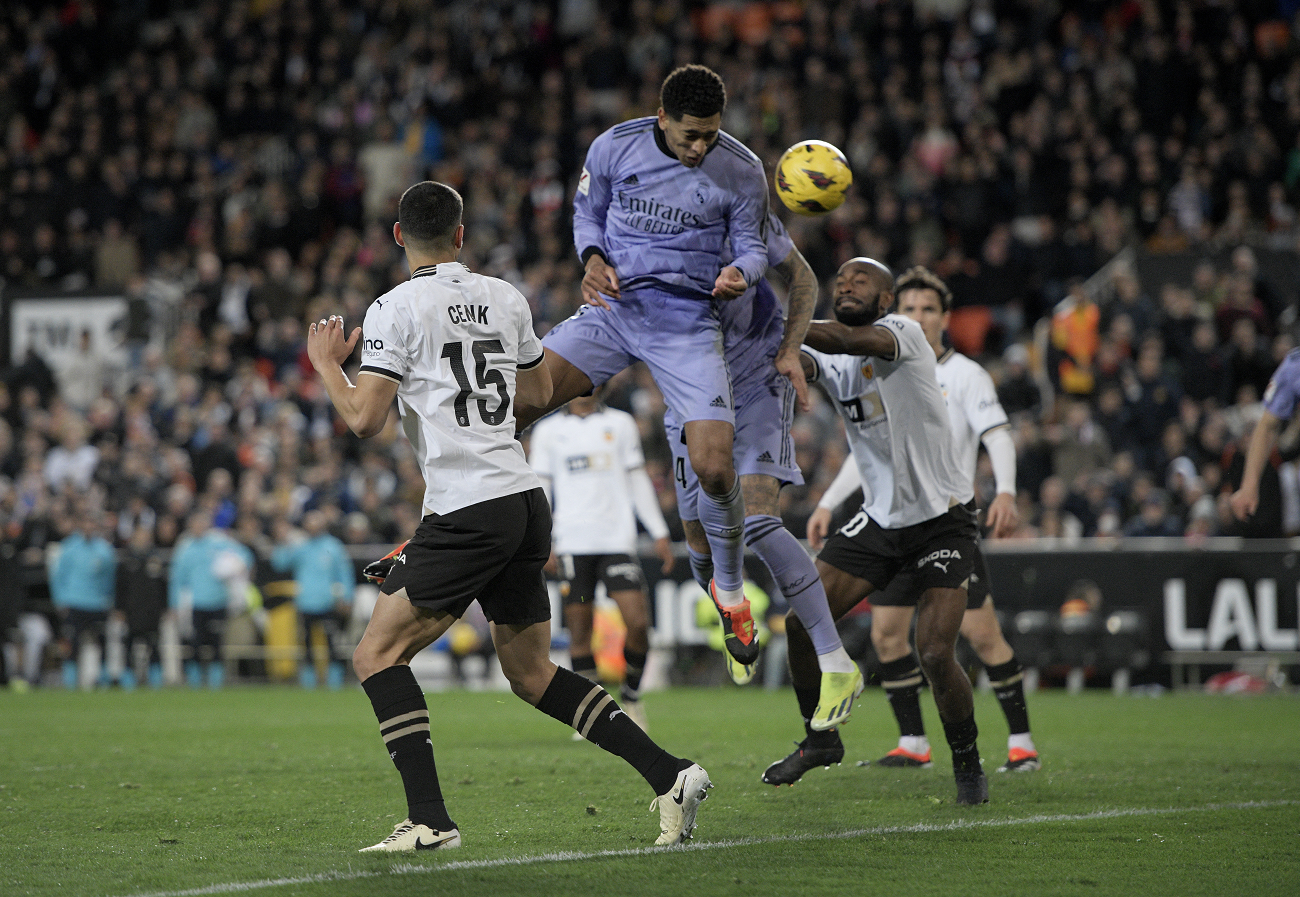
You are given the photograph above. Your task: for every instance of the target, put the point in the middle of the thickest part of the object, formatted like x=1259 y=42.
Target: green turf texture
x=121 y=794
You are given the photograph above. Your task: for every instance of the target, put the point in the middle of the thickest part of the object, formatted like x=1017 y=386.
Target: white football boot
x=677 y=808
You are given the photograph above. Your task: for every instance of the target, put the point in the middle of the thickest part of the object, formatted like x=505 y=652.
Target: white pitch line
x=567 y=855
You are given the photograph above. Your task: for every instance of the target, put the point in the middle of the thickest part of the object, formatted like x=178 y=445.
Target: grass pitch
x=271 y=791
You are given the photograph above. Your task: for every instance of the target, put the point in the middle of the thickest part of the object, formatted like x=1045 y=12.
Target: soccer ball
x=812 y=177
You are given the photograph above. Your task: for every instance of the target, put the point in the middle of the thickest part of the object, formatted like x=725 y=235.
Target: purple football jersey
x=1284 y=388
x=663 y=225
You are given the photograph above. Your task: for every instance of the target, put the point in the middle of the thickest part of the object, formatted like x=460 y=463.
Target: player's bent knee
x=986 y=643
x=936 y=657
x=716 y=480
x=529 y=682
x=364 y=663
x=889 y=645
x=713 y=467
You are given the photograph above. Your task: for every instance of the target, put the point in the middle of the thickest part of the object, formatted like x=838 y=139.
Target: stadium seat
x=969 y=327
x=1076 y=645
x=1031 y=636
x=1123 y=648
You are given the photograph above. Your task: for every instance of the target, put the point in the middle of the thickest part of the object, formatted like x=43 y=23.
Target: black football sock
x=404 y=724
x=965 y=751
x=807 y=698
x=632 y=676
x=588 y=708
x=902 y=682
x=585 y=665
x=1008 y=681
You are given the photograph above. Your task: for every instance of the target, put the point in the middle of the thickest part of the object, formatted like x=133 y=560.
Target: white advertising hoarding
x=53 y=328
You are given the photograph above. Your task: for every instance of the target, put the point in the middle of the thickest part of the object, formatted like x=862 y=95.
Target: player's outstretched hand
x=790 y=366
x=600 y=278
x=1003 y=516
x=730 y=283
x=326 y=344
x=1244 y=502
x=819 y=524
x=664 y=549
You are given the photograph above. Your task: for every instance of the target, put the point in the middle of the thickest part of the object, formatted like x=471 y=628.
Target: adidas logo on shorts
x=718 y=402
x=766 y=456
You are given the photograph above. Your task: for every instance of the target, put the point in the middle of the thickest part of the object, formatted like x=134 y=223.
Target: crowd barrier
x=1169 y=609
x=1169 y=612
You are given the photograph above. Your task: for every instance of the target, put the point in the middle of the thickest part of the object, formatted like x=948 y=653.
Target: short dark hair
x=429 y=213
x=693 y=90
x=922 y=278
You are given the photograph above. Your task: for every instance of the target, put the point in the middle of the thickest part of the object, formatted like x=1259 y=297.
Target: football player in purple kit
x=658 y=200
x=1280 y=399
x=760 y=339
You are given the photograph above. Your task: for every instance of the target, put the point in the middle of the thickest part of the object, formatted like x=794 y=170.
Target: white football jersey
x=587 y=460
x=453 y=341
x=973 y=406
x=898 y=427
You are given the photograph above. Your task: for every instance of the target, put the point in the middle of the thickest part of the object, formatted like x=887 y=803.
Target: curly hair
x=693 y=90
x=922 y=278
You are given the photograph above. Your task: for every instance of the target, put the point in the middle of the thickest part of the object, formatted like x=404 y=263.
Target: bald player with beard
x=879 y=371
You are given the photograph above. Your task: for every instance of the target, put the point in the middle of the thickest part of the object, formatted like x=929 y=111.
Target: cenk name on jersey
x=467 y=314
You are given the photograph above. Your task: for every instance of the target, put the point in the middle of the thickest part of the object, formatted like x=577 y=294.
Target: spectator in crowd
x=1204 y=368
x=11 y=595
x=1074 y=343
x=1249 y=364
x=252 y=196
x=1153 y=400
x=325 y=580
x=1017 y=390
x=141 y=599
x=208 y=577
x=72 y=462
x=82 y=379
x=1079 y=445
x=1115 y=417
x=1053 y=520
x=81 y=585
x=1033 y=456
x=1241 y=304
x=1154 y=517
x=1130 y=301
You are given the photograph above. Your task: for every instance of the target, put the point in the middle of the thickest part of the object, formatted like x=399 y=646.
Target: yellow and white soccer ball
x=812 y=177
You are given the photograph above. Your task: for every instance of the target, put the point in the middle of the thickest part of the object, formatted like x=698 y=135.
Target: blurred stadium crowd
x=1103 y=183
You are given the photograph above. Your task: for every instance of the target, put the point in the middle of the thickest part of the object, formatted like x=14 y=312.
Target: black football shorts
x=580 y=573
x=491 y=552
x=936 y=553
x=903 y=590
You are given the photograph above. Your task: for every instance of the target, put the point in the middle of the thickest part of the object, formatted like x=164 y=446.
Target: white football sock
x=1023 y=741
x=837 y=661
